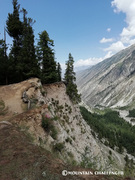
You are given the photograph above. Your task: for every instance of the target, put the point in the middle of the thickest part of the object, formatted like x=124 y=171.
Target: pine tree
x=14 y=25
x=59 y=72
x=15 y=30
x=3 y=63
x=28 y=57
x=71 y=87
x=45 y=55
x=23 y=62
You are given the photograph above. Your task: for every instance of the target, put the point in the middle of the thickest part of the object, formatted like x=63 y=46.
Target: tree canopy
x=25 y=59
x=71 y=87
x=3 y=63
x=46 y=58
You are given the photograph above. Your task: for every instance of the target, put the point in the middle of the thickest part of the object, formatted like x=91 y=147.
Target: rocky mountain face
x=110 y=83
x=54 y=123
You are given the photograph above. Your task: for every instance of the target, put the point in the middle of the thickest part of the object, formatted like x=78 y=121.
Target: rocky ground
x=29 y=152
x=22 y=160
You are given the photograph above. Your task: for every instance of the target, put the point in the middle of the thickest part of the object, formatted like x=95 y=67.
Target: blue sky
x=90 y=30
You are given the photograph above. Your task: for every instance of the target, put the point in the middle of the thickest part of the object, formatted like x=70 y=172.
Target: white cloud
x=128 y=7
x=127 y=35
x=88 y=62
x=63 y=66
x=115 y=47
x=108 y=30
x=108 y=55
x=104 y=40
x=91 y=61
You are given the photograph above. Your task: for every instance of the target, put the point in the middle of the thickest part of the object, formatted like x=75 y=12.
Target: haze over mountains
x=110 y=83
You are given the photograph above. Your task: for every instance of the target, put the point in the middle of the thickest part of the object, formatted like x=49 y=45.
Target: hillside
x=37 y=120
x=110 y=83
x=21 y=159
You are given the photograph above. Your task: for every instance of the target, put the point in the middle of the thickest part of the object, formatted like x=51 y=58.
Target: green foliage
x=114 y=129
x=71 y=87
x=53 y=132
x=55 y=118
x=2 y=105
x=87 y=161
x=15 y=30
x=3 y=109
x=28 y=57
x=26 y=61
x=110 y=152
x=45 y=56
x=129 y=169
x=132 y=120
x=69 y=140
x=23 y=63
x=58 y=147
x=14 y=25
x=48 y=126
x=59 y=72
x=132 y=113
x=3 y=63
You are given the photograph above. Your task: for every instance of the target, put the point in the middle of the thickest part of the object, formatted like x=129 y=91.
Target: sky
x=91 y=30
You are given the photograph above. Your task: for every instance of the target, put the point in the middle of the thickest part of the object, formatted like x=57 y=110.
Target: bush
x=58 y=147
x=48 y=126
x=53 y=132
x=68 y=140
x=3 y=110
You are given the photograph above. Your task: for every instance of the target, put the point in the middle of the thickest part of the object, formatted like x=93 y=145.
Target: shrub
x=53 y=132
x=48 y=126
x=69 y=140
x=55 y=118
x=3 y=110
x=58 y=147
x=46 y=123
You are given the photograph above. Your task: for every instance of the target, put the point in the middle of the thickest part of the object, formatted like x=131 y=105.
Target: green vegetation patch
x=114 y=129
x=102 y=111
x=3 y=110
x=48 y=126
x=58 y=147
x=2 y=105
x=132 y=113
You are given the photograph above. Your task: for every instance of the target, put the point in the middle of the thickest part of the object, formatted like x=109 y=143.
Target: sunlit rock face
x=110 y=83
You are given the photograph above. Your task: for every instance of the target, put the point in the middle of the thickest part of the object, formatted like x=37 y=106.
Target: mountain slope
x=20 y=159
x=55 y=124
x=110 y=83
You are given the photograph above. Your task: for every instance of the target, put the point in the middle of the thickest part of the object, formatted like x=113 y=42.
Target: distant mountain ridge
x=110 y=83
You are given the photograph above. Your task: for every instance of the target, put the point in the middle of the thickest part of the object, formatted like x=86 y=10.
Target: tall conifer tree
x=45 y=55
x=22 y=56
x=59 y=71
x=3 y=63
x=71 y=87
x=29 y=61
x=15 y=30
